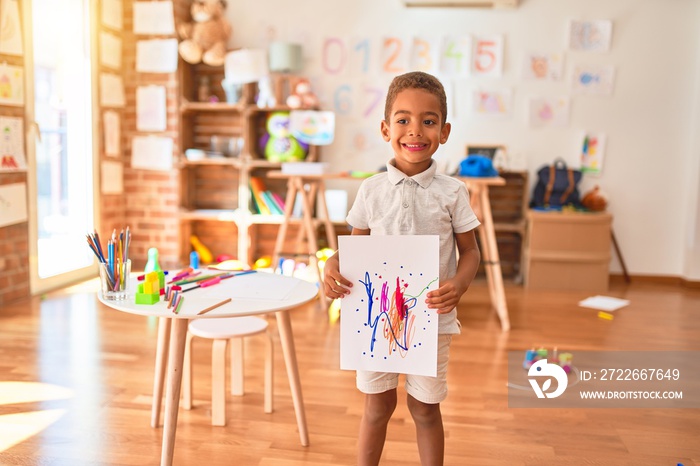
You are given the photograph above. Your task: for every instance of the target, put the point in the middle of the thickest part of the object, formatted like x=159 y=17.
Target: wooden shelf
x=186 y=107
x=237 y=216
x=215 y=198
x=237 y=162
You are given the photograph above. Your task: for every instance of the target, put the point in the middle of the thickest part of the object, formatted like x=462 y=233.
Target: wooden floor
x=88 y=373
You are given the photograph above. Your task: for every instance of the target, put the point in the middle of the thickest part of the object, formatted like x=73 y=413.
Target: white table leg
x=176 y=357
x=284 y=324
x=161 y=364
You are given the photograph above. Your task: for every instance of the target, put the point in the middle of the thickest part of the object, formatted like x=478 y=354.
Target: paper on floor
x=604 y=303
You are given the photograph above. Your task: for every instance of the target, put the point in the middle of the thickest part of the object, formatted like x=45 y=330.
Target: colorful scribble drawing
x=385 y=324
x=395 y=316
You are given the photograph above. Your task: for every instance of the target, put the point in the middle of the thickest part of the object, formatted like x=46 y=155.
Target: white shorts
x=429 y=390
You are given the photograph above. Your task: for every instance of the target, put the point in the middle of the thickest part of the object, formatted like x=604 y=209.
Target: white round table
x=251 y=294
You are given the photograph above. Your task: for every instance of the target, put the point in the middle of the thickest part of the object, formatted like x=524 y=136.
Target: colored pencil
x=211 y=308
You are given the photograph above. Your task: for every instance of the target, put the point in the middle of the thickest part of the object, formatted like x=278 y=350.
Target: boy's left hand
x=445 y=298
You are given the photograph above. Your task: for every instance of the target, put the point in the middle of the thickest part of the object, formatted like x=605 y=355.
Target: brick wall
x=14 y=239
x=14 y=251
x=151 y=198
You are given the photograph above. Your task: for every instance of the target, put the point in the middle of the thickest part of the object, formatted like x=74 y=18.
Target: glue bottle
x=152 y=265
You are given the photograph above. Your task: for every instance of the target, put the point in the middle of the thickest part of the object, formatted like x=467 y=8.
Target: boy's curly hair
x=416 y=80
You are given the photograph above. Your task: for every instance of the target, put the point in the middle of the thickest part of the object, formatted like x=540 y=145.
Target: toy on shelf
x=302 y=97
x=278 y=144
x=266 y=97
x=563 y=360
x=205 y=255
x=264 y=262
x=594 y=200
x=194 y=260
x=205 y=37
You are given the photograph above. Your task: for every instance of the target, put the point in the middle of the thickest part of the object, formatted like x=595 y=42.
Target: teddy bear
x=302 y=96
x=204 y=38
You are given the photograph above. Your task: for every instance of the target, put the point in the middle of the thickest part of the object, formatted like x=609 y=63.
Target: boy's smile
x=415 y=129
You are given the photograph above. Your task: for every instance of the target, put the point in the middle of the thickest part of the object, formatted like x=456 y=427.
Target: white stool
x=221 y=331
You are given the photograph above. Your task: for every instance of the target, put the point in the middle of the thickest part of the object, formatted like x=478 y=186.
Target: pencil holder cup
x=114 y=281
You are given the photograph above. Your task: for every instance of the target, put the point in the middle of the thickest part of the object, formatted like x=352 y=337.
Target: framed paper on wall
x=484 y=150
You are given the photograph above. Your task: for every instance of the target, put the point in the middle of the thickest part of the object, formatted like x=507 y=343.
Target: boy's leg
x=424 y=397
x=378 y=410
x=430 y=434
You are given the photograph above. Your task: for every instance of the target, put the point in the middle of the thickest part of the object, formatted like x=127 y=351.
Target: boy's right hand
x=334 y=284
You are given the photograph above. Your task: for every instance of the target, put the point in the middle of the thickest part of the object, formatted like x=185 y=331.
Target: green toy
x=148 y=292
x=282 y=146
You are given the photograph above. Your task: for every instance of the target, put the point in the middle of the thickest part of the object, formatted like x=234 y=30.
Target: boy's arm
x=334 y=284
x=446 y=297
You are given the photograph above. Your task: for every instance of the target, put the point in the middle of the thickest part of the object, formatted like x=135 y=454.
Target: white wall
x=651 y=164
x=692 y=239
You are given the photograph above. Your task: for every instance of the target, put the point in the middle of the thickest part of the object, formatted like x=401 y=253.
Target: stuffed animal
x=204 y=38
x=266 y=97
x=278 y=143
x=302 y=96
x=594 y=200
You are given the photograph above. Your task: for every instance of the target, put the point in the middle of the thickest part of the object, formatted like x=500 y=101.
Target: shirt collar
x=423 y=179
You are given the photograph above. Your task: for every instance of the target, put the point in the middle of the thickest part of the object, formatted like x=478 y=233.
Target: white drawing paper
x=425 y=54
x=604 y=303
x=590 y=36
x=111 y=90
x=487 y=56
x=152 y=153
x=11 y=85
x=592 y=152
x=10 y=28
x=110 y=50
x=112 y=14
x=594 y=79
x=548 y=111
x=456 y=55
x=394 y=54
x=13 y=203
x=156 y=56
x=112 y=132
x=543 y=66
x=12 y=144
x=386 y=325
x=495 y=103
x=312 y=127
x=151 y=108
x=112 y=176
x=154 y=18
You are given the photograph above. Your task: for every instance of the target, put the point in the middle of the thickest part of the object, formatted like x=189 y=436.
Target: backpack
x=557 y=186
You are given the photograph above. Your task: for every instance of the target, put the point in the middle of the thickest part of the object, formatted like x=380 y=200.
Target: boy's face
x=415 y=129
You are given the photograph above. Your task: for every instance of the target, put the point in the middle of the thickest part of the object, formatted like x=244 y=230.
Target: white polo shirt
x=392 y=203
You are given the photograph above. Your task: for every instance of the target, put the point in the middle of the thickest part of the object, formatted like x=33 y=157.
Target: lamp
x=241 y=67
x=285 y=58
